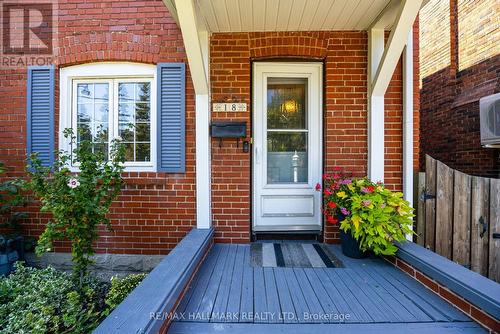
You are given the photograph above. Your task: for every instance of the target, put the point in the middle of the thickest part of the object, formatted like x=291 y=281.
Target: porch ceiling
x=291 y=15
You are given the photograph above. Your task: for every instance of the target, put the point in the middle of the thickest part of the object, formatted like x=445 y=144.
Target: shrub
x=374 y=215
x=46 y=301
x=121 y=288
x=78 y=202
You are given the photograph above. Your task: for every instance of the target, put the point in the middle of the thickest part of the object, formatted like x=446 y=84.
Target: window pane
x=143 y=90
x=84 y=132
x=126 y=131
x=85 y=93
x=129 y=151
x=142 y=132
x=142 y=112
x=286 y=103
x=142 y=152
x=100 y=132
x=93 y=114
x=126 y=92
x=286 y=157
x=101 y=112
x=126 y=112
x=85 y=112
x=134 y=119
x=102 y=148
x=101 y=92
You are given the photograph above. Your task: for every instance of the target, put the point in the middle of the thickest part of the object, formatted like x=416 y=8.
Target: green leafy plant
x=375 y=216
x=46 y=301
x=121 y=288
x=78 y=202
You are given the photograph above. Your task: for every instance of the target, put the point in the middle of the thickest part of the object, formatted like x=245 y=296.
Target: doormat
x=293 y=255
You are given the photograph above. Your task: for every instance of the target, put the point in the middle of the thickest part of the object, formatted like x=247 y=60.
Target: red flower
x=370 y=189
x=318 y=186
x=327 y=192
x=332 y=220
x=332 y=205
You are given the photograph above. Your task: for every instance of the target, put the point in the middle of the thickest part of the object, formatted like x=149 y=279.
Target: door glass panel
x=286 y=157
x=286 y=103
x=287 y=134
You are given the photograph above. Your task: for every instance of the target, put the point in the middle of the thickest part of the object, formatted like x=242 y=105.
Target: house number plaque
x=229 y=107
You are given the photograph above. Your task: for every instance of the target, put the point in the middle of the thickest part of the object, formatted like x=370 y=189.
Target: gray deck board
x=422 y=295
x=273 y=303
x=246 y=303
x=399 y=296
x=387 y=304
x=207 y=302
x=199 y=284
x=260 y=300
x=356 y=306
x=322 y=295
x=235 y=290
x=337 y=298
x=285 y=298
x=372 y=328
x=221 y=300
x=368 y=291
x=310 y=297
x=298 y=299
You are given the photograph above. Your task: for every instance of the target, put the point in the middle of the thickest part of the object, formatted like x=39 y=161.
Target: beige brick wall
x=434 y=37
x=478 y=31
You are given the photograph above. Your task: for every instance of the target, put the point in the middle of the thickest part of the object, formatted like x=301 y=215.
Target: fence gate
x=458 y=216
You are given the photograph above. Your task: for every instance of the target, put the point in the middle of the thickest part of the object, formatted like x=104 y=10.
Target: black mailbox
x=229 y=129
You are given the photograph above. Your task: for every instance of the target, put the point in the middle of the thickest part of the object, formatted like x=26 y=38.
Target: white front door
x=287 y=161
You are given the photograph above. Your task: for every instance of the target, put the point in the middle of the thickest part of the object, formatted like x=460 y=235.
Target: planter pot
x=350 y=246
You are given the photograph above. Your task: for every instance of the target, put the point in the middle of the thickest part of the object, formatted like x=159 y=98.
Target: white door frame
x=304 y=211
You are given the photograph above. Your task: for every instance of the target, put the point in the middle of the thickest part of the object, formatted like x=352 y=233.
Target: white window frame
x=113 y=73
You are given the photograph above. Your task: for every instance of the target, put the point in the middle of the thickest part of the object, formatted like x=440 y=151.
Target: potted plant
x=371 y=217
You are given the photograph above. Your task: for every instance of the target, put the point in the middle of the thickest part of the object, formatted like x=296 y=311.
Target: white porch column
x=197 y=50
x=203 y=167
x=381 y=64
x=375 y=108
x=408 y=119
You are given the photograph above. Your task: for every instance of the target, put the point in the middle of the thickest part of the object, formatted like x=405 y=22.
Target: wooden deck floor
x=229 y=294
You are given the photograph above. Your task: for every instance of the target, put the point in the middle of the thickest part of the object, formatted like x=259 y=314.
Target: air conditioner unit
x=489 y=114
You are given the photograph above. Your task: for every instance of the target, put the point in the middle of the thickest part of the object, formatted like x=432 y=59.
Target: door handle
x=257 y=155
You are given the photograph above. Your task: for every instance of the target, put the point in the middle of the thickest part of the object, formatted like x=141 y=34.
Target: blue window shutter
x=40 y=113
x=171 y=117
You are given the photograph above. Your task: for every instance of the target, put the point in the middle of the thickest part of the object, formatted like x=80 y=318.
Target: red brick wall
x=155 y=210
x=450 y=94
x=344 y=55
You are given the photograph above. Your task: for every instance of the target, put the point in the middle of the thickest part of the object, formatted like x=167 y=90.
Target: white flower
x=73 y=183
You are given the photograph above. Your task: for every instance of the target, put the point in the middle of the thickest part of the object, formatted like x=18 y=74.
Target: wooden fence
x=458 y=216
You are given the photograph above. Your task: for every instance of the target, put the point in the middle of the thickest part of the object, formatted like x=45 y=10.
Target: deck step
x=346 y=328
